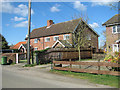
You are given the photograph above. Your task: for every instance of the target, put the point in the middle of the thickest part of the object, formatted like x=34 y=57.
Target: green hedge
x=41 y=51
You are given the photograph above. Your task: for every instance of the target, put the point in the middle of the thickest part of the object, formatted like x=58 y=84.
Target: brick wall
x=110 y=39
x=10 y=56
x=42 y=44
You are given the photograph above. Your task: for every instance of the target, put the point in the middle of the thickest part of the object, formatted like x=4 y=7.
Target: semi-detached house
x=113 y=34
x=60 y=35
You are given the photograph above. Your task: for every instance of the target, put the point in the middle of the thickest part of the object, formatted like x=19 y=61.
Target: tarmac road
x=19 y=77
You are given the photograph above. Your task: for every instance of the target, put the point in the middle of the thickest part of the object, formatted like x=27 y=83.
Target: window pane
x=36 y=41
x=118 y=28
x=56 y=38
x=66 y=37
x=114 y=29
x=47 y=39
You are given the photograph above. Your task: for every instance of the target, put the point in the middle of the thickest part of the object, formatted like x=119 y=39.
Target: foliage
x=29 y=65
x=3 y=42
x=41 y=51
x=94 y=78
x=114 y=59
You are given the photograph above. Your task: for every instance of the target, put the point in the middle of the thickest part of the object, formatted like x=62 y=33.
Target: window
x=47 y=39
x=36 y=41
x=35 y=48
x=88 y=37
x=116 y=29
x=66 y=37
x=56 y=38
x=115 y=48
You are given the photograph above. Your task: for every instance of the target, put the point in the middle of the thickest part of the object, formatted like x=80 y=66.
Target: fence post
x=36 y=59
x=70 y=64
x=32 y=56
x=16 y=58
x=98 y=66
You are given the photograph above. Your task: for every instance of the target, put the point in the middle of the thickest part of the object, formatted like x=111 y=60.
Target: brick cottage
x=60 y=35
x=113 y=34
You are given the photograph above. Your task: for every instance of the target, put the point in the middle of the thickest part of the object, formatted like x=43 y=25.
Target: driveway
x=15 y=76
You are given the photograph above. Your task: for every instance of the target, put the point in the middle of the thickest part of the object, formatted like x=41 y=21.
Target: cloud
x=94 y=25
x=7 y=24
x=79 y=6
x=103 y=3
x=21 y=9
x=55 y=8
x=18 y=18
x=22 y=24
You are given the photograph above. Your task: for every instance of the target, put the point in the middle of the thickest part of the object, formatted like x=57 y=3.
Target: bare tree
x=81 y=38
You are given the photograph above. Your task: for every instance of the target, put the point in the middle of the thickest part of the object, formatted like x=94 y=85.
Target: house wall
x=93 y=43
x=110 y=39
x=42 y=44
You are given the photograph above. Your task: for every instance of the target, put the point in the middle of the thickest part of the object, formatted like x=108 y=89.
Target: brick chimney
x=49 y=22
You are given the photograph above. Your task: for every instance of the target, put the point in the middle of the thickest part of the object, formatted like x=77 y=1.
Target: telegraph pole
x=29 y=26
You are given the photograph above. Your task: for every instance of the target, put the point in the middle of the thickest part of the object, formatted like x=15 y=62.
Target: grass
x=29 y=65
x=98 y=79
x=23 y=61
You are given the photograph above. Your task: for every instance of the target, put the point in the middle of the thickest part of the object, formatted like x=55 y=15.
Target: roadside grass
x=94 y=78
x=23 y=61
x=29 y=65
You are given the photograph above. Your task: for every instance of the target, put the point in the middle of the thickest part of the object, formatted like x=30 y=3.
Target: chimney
x=49 y=23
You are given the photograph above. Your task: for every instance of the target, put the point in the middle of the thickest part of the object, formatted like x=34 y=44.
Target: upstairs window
x=35 y=40
x=47 y=39
x=116 y=29
x=56 y=38
x=89 y=37
x=66 y=37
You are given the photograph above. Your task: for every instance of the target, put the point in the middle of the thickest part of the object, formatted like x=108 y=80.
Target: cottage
x=113 y=34
x=21 y=46
x=60 y=35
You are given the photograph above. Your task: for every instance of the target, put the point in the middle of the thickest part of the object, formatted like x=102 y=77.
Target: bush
x=114 y=59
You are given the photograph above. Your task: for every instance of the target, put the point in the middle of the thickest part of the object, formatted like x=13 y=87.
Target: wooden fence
x=98 y=64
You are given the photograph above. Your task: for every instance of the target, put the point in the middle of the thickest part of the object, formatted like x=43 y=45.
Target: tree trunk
x=79 y=56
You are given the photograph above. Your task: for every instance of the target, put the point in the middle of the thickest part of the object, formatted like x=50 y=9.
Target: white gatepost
x=16 y=58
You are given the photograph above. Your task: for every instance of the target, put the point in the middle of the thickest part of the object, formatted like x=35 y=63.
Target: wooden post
x=70 y=64
x=98 y=65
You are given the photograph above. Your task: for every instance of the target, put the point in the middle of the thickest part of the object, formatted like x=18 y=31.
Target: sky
x=15 y=16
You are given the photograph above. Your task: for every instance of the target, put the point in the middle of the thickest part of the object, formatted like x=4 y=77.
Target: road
x=19 y=77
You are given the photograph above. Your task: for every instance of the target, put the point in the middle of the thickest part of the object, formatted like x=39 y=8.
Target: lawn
x=98 y=79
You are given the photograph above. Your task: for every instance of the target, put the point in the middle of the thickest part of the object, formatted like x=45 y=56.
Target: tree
x=103 y=40
x=81 y=37
x=3 y=42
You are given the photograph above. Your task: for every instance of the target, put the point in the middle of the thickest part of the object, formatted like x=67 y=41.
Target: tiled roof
x=16 y=46
x=65 y=43
x=55 y=29
x=114 y=20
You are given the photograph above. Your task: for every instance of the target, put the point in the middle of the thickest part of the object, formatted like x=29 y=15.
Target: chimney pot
x=49 y=23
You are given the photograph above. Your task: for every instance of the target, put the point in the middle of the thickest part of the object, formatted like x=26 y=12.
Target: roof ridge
x=58 y=23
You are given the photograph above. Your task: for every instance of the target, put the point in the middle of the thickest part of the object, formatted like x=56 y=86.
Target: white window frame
x=55 y=37
x=47 y=47
x=117 y=47
x=46 y=39
x=89 y=37
x=64 y=37
x=116 y=28
x=35 y=48
x=36 y=40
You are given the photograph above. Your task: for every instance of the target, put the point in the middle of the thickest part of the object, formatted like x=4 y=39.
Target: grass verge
x=29 y=65
x=98 y=79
